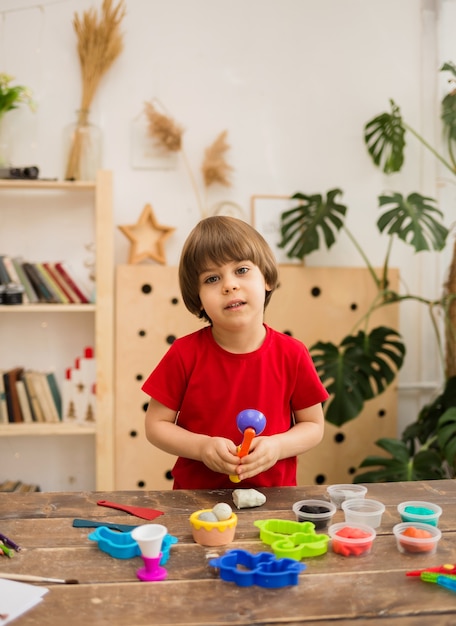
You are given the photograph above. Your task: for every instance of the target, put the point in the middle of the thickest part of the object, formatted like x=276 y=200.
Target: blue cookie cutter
x=292 y=540
x=262 y=569
x=123 y=546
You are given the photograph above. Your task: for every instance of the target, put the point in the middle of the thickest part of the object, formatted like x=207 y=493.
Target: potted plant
x=365 y=363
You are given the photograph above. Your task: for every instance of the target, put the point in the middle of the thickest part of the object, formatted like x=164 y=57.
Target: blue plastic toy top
x=123 y=546
x=262 y=569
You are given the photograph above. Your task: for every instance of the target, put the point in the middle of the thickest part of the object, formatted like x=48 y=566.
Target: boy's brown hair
x=220 y=239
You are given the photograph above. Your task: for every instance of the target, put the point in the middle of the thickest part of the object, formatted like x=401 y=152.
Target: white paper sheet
x=17 y=598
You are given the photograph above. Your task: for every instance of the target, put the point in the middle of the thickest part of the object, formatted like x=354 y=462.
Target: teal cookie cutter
x=292 y=540
x=262 y=569
x=123 y=546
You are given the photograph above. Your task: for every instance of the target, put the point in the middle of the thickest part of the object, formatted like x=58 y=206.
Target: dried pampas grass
x=100 y=42
x=167 y=133
x=215 y=169
x=163 y=128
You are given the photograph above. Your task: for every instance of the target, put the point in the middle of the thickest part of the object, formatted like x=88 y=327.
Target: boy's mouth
x=235 y=305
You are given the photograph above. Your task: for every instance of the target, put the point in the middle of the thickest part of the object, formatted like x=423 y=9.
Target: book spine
x=53 y=286
x=65 y=271
x=11 y=269
x=4 y=276
x=65 y=287
x=40 y=287
x=31 y=294
x=45 y=278
x=46 y=399
x=24 y=401
x=12 y=398
x=55 y=392
x=37 y=409
x=3 y=407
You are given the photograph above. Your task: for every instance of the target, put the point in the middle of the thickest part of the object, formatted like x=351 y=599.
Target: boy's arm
x=218 y=453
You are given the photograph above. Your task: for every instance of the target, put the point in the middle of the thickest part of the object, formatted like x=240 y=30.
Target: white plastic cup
x=149 y=538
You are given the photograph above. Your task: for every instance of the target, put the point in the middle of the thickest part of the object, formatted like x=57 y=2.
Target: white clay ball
x=208 y=516
x=222 y=511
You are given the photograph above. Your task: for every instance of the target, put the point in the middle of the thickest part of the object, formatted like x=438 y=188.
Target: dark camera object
x=26 y=173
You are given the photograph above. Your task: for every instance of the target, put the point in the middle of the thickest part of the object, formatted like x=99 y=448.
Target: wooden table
x=333 y=589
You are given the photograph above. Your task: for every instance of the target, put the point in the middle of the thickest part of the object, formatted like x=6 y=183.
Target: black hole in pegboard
x=142 y=333
x=141 y=484
x=353 y=306
x=169 y=475
x=146 y=288
x=170 y=339
x=133 y=433
x=315 y=291
x=381 y=413
x=352 y=470
x=288 y=332
x=339 y=437
x=320 y=479
x=145 y=406
x=139 y=376
x=174 y=300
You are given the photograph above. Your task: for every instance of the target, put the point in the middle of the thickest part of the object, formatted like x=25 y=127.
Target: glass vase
x=4 y=143
x=82 y=148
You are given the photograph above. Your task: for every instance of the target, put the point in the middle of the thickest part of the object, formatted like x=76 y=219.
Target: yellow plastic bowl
x=213 y=533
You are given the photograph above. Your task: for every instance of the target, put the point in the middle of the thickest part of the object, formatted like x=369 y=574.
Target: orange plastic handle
x=249 y=434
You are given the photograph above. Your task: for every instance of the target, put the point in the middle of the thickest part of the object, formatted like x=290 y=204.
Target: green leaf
x=314 y=217
x=384 y=138
x=446 y=435
x=413 y=220
x=357 y=370
x=448 y=114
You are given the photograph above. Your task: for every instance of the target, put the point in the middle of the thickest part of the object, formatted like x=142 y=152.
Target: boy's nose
x=229 y=286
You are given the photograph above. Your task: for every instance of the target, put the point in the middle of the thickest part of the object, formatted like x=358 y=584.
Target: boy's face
x=233 y=294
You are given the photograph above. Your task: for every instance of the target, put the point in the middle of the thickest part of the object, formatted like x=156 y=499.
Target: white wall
x=293 y=82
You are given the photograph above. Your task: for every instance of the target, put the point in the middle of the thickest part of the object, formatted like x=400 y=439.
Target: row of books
x=18 y=486
x=34 y=396
x=44 y=282
x=29 y=396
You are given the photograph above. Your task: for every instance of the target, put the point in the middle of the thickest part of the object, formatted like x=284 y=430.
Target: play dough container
x=416 y=538
x=319 y=512
x=340 y=493
x=363 y=511
x=418 y=511
x=218 y=533
x=351 y=539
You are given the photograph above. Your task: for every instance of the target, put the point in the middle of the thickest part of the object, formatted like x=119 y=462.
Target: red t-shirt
x=208 y=386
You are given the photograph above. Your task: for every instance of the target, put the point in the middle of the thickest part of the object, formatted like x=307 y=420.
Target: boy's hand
x=264 y=453
x=220 y=455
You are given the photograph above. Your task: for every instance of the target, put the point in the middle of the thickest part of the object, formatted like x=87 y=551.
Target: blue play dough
x=418 y=510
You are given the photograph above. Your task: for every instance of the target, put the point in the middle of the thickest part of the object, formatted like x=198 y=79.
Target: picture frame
x=265 y=212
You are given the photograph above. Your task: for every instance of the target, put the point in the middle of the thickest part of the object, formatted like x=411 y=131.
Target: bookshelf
x=61 y=218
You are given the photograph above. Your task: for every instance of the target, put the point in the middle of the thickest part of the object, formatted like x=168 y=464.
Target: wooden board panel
x=312 y=304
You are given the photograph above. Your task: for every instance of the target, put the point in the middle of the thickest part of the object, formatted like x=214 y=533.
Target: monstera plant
x=365 y=363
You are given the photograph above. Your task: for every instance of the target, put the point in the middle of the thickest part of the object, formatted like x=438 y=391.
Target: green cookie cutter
x=292 y=540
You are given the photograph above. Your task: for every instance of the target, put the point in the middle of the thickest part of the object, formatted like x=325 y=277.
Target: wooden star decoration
x=147 y=237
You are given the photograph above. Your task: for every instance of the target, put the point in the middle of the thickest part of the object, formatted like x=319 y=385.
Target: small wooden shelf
x=65 y=185
x=100 y=320
x=47 y=308
x=36 y=429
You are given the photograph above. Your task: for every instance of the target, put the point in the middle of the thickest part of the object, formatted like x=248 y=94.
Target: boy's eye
x=210 y=279
x=242 y=270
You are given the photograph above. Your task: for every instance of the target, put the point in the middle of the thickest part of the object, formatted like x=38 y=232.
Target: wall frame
x=265 y=212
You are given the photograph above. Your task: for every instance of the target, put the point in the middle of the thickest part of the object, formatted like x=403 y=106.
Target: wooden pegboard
x=311 y=303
